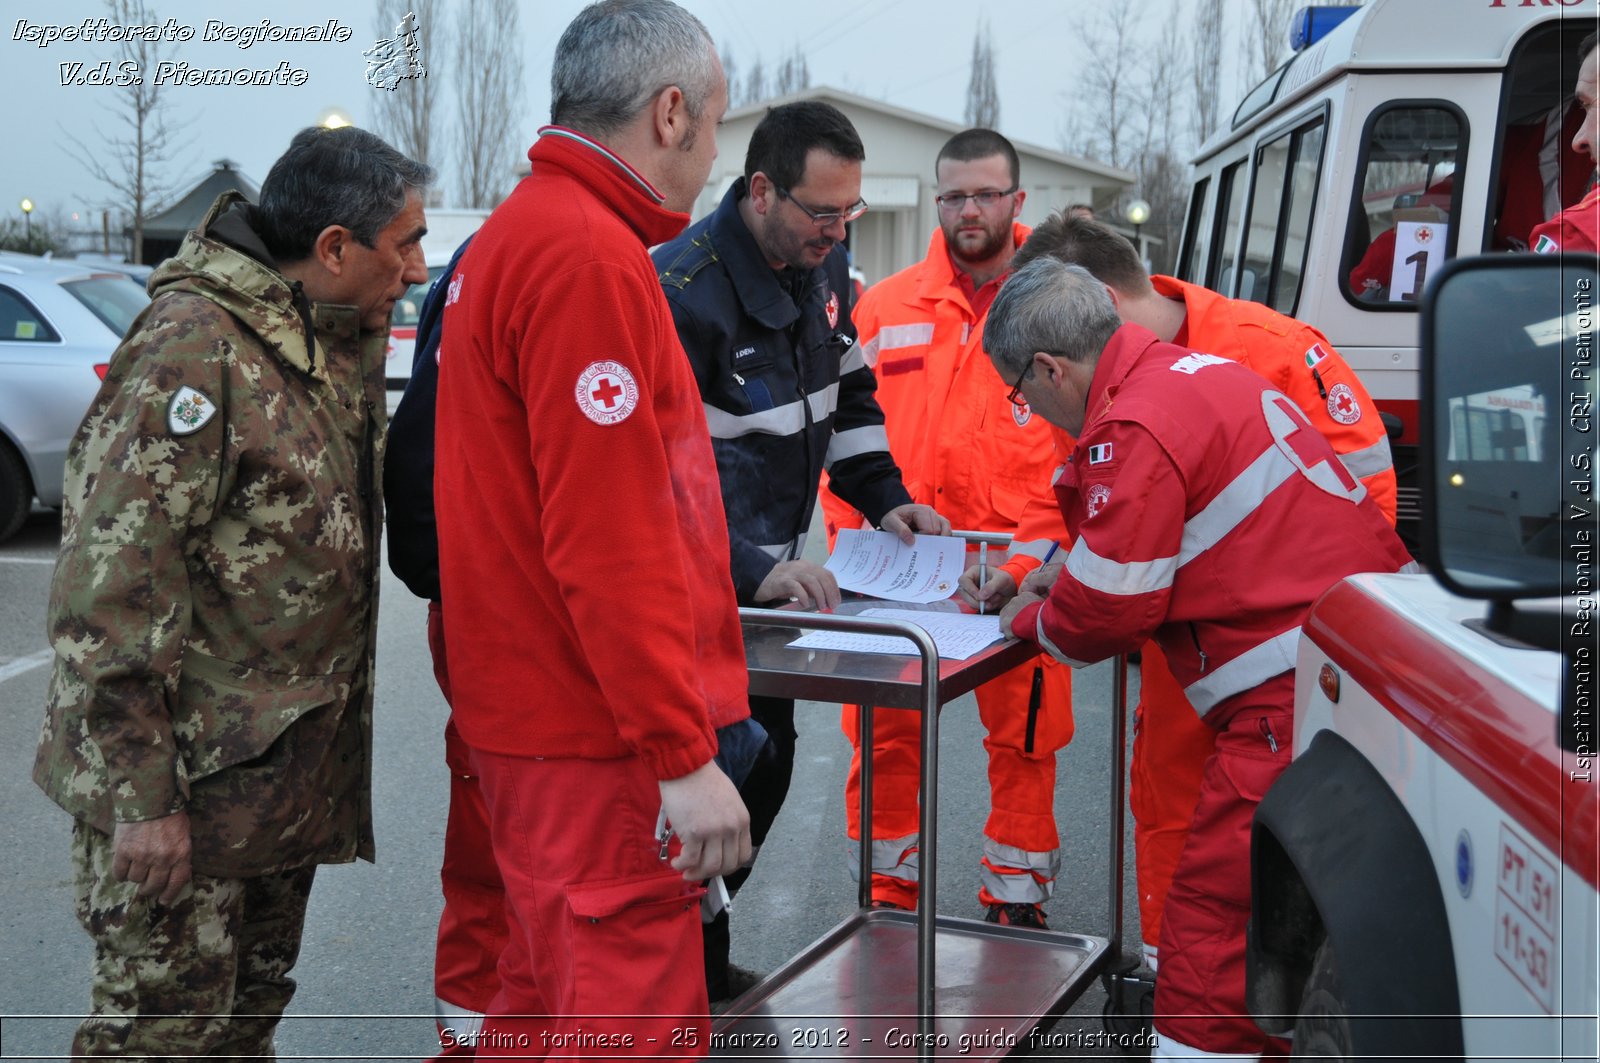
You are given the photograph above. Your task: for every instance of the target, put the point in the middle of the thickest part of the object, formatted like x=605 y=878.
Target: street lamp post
x=1137 y=213
x=27 y=220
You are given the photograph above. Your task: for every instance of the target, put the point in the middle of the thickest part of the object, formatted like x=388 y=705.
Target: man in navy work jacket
x=760 y=292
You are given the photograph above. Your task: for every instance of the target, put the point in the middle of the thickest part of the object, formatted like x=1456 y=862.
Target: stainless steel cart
x=892 y=983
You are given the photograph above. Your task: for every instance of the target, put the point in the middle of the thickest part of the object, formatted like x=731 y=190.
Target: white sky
x=913 y=54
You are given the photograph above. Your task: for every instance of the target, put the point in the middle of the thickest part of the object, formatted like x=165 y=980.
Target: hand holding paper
x=880 y=565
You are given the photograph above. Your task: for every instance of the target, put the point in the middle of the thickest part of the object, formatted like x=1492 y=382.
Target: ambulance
x=1399 y=134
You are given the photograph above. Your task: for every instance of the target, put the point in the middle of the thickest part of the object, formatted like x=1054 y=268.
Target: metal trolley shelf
x=884 y=982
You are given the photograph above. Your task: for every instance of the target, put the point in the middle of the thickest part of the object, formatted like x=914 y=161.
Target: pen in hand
x=983 y=571
x=1048 y=555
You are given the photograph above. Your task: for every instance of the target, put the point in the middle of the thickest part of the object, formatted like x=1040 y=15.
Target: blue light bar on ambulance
x=1311 y=24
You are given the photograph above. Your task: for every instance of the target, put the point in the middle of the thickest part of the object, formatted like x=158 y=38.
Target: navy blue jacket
x=408 y=460
x=787 y=393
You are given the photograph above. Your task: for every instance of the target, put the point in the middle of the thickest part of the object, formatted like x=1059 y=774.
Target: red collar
x=613 y=180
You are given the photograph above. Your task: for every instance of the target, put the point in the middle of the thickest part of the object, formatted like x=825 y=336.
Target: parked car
x=447 y=230
x=59 y=323
x=403 y=328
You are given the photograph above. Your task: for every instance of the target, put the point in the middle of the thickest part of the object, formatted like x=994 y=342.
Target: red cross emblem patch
x=832 y=309
x=607 y=392
x=1021 y=413
x=1342 y=404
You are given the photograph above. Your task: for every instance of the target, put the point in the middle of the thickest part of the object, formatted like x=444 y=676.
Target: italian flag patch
x=1546 y=246
x=1100 y=454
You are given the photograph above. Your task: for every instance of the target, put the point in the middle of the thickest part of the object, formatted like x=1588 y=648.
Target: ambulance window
x=1404 y=217
x=1197 y=241
x=1231 y=191
x=1280 y=217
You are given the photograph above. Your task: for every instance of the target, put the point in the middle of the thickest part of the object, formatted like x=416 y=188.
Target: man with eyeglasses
x=966 y=449
x=1207 y=513
x=760 y=292
x=1170 y=744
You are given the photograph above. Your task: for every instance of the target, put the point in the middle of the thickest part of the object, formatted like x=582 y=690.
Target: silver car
x=59 y=322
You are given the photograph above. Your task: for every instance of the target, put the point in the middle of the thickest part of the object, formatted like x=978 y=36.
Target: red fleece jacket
x=583 y=547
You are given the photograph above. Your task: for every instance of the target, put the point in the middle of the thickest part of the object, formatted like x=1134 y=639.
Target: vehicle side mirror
x=1508 y=387
x=1508 y=457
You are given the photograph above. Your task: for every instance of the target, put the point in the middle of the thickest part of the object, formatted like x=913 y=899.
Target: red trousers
x=1171 y=745
x=1200 y=989
x=1021 y=843
x=603 y=959
x=472 y=927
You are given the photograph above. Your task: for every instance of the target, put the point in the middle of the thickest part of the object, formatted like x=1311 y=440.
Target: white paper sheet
x=879 y=565
x=956 y=635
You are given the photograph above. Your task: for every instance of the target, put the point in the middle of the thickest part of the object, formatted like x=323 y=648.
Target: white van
x=1399 y=134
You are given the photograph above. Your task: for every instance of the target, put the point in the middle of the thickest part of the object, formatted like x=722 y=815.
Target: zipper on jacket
x=738 y=379
x=302 y=305
x=1194 y=634
x=1266 y=732
x=1322 y=392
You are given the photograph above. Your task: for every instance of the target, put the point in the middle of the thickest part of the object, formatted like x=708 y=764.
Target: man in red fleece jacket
x=594 y=644
x=1208 y=513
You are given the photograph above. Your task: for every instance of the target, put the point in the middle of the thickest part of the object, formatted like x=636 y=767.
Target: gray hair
x=344 y=176
x=618 y=55
x=1053 y=307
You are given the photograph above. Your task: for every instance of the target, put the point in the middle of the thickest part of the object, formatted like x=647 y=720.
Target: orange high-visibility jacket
x=1299 y=361
x=961 y=446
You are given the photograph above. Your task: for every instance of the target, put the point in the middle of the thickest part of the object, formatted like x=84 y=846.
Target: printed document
x=879 y=565
x=957 y=636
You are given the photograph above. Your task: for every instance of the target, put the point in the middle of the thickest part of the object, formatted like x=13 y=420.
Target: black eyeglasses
x=953 y=202
x=826 y=218
x=1014 y=396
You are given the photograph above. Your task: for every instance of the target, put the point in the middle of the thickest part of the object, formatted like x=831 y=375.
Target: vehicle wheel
x=16 y=492
x=1322 y=1031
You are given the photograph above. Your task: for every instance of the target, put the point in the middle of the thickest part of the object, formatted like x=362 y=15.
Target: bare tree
x=404 y=115
x=488 y=80
x=1097 y=110
x=1206 y=67
x=1159 y=160
x=983 y=97
x=755 y=83
x=730 y=71
x=131 y=162
x=794 y=74
x=1269 y=32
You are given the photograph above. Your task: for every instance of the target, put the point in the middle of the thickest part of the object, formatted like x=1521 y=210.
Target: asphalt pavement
x=365 y=968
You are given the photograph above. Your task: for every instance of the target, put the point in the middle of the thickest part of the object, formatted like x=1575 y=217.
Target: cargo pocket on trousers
x=631 y=938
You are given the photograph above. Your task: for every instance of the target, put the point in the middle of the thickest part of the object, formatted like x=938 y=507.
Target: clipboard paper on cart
x=957 y=636
x=878 y=565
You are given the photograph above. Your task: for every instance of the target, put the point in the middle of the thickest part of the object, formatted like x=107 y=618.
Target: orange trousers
x=1021 y=842
x=1171 y=745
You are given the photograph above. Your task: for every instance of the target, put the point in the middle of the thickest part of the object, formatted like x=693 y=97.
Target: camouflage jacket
x=214 y=607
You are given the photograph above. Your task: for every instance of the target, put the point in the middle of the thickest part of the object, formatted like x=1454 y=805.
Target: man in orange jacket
x=965 y=450
x=1171 y=744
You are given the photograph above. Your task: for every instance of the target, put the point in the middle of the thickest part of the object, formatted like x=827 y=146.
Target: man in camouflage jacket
x=214 y=607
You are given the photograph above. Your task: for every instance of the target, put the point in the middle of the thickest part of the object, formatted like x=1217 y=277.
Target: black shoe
x=1028 y=915
x=740 y=981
